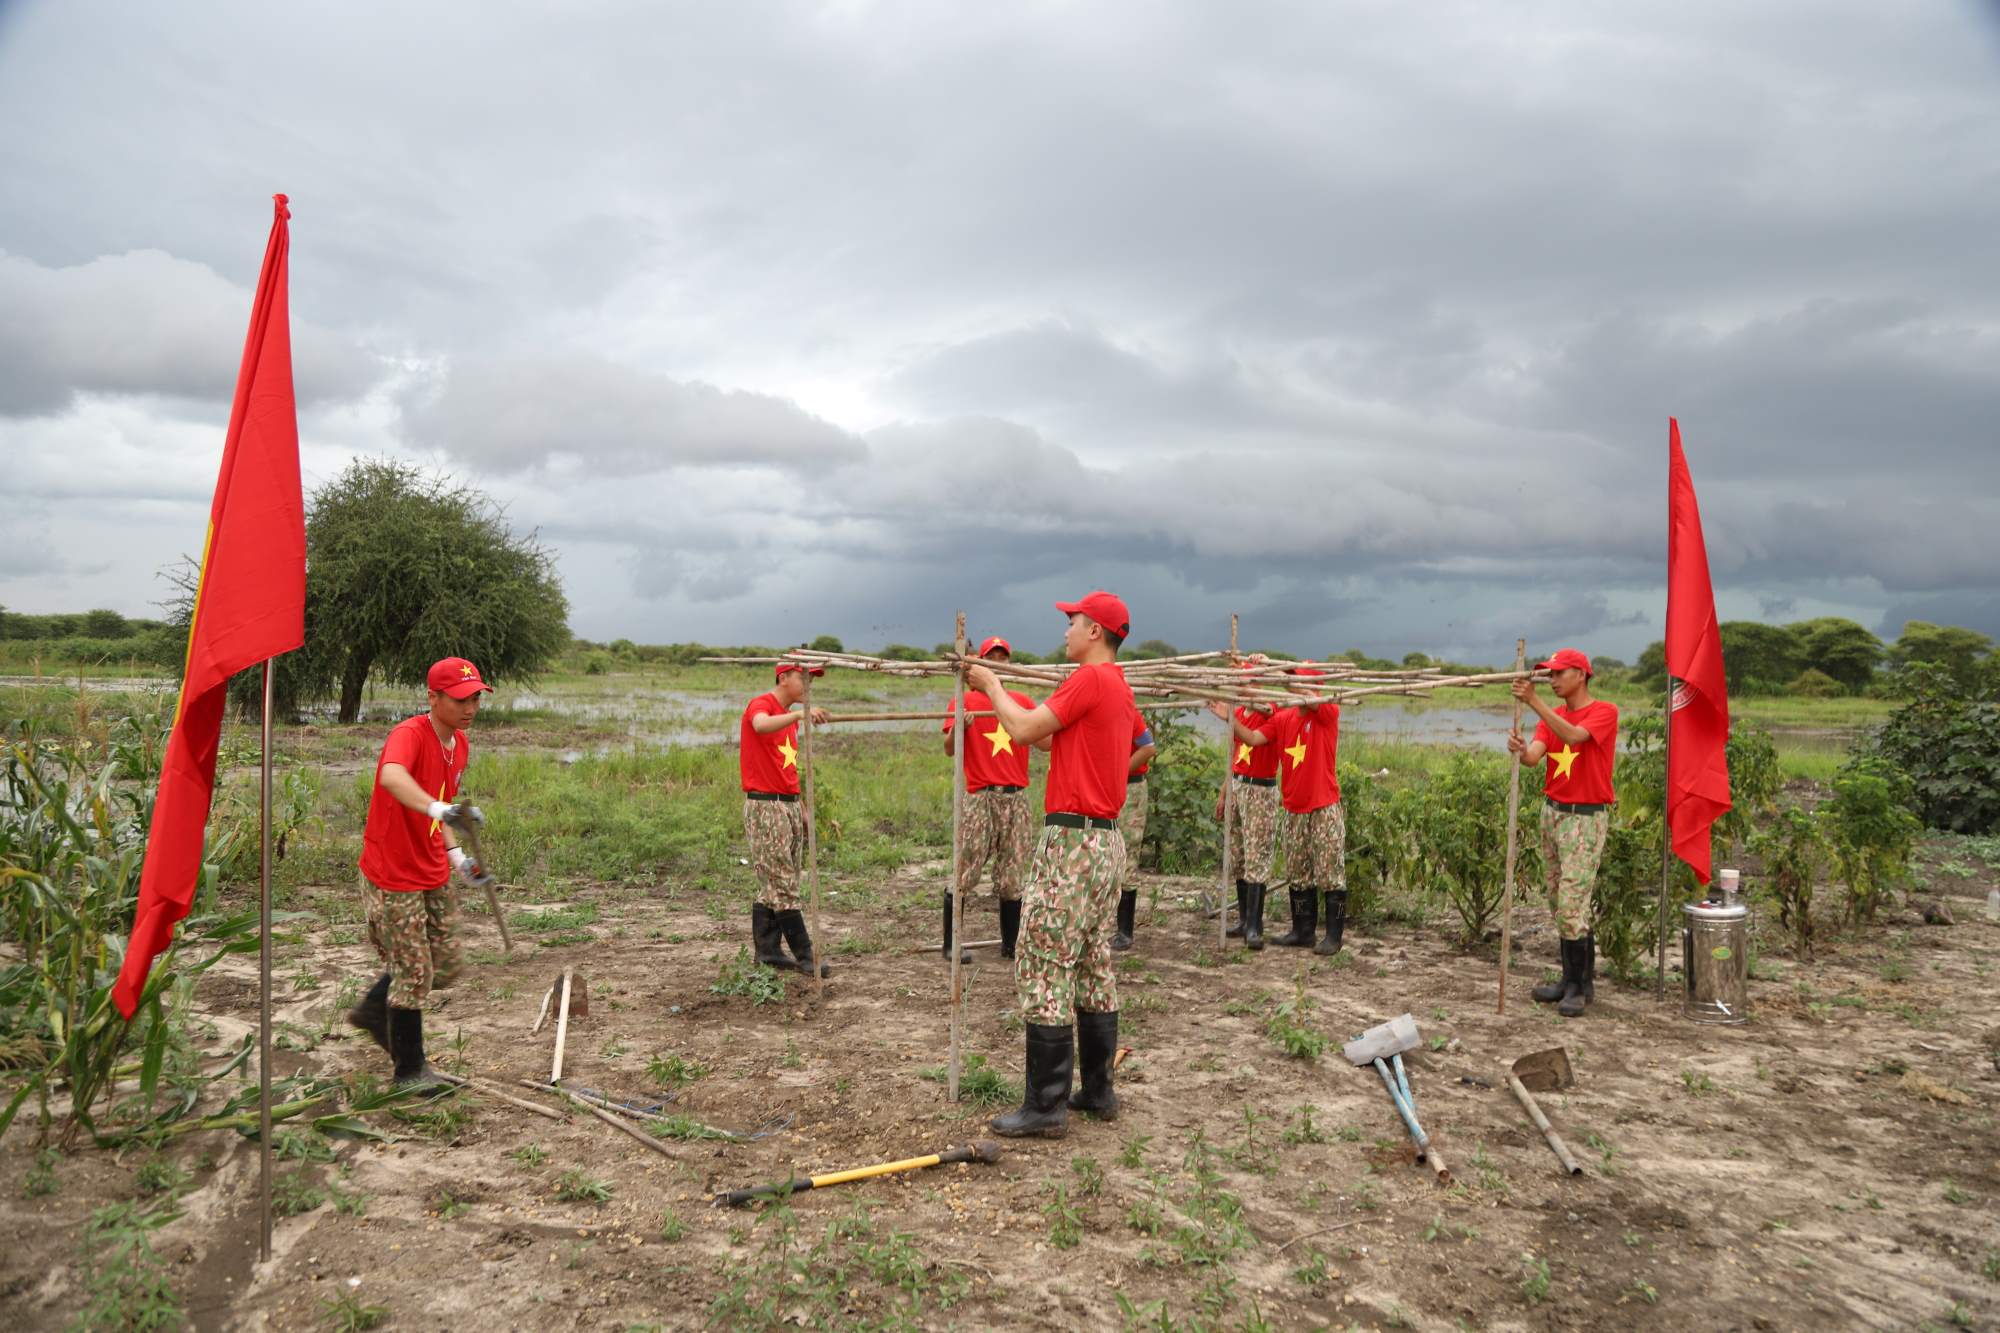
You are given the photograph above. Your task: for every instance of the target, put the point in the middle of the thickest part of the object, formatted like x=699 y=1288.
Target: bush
x=1814 y=684
x=1794 y=855
x=1181 y=830
x=1948 y=743
x=1460 y=822
x=1871 y=829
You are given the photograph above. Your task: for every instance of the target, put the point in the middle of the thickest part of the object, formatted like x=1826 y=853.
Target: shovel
x=1544 y=1071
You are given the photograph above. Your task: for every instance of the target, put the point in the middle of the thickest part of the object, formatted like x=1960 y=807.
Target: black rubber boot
x=765 y=940
x=1010 y=926
x=1096 y=1048
x=1336 y=923
x=1235 y=932
x=1044 y=1109
x=1587 y=967
x=1128 y=910
x=1253 y=916
x=1305 y=920
x=793 y=924
x=406 y=1047
x=964 y=955
x=371 y=1013
x=1551 y=991
x=1572 y=1001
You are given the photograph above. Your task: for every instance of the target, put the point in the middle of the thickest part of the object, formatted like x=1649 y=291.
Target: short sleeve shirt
x=402 y=850
x=1307 y=740
x=1581 y=774
x=1089 y=757
x=992 y=757
x=1142 y=735
x=1254 y=761
x=768 y=762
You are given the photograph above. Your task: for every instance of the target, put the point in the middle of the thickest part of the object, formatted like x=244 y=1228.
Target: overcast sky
x=1363 y=320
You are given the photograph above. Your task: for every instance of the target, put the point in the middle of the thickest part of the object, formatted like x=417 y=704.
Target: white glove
x=469 y=870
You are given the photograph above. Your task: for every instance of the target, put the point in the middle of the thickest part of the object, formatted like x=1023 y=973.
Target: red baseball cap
x=1103 y=607
x=1568 y=657
x=995 y=641
x=783 y=667
x=456 y=677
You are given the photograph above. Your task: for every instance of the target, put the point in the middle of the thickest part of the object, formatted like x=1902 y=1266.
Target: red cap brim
x=465 y=689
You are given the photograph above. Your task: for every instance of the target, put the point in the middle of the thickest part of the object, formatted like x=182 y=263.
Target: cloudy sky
x=1361 y=319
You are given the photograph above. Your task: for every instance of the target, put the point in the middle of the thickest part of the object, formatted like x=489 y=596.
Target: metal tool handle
x=492 y=898
x=738 y=1198
x=1423 y=1140
x=1534 y=1110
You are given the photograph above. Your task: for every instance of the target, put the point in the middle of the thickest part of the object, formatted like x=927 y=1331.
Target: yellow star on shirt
x=791 y=755
x=1297 y=750
x=435 y=823
x=1242 y=752
x=1564 y=758
x=1002 y=742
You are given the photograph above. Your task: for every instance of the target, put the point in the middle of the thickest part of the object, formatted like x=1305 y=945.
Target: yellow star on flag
x=1242 y=752
x=1564 y=758
x=1297 y=750
x=1002 y=742
x=791 y=755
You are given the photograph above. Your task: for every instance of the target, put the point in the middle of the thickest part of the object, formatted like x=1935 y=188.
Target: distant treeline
x=87 y=638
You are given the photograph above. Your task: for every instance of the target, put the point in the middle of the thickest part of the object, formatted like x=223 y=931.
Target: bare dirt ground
x=1833 y=1164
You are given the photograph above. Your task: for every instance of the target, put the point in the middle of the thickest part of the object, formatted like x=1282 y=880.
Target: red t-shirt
x=1088 y=758
x=1581 y=775
x=402 y=850
x=1142 y=734
x=1254 y=761
x=769 y=762
x=1306 y=740
x=992 y=758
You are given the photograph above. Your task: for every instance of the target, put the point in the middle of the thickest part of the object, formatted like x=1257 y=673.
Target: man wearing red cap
x=408 y=853
x=1306 y=738
x=768 y=758
x=1252 y=814
x=998 y=826
x=1577 y=813
x=1063 y=973
x=1132 y=826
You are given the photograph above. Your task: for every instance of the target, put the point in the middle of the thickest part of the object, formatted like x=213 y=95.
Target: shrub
x=1813 y=683
x=1948 y=742
x=1794 y=855
x=1460 y=820
x=1872 y=830
x=1181 y=831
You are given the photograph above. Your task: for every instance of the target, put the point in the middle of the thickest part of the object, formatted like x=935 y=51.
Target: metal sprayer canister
x=1715 y=960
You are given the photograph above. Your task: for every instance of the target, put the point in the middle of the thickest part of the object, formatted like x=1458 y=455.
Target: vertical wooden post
x=812 y=840
x=957 y=853
x=1228 y=807
x=1513 y=834
x=1666 y=834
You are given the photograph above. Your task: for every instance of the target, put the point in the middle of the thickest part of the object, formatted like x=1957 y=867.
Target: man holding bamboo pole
x=773 y=823
x=408 y=854
x=1252 y=819
x=1576 y=818
x=1064 y=973
x=998 y=826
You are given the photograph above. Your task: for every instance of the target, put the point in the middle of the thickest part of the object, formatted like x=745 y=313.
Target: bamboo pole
x=562 y=1027
x=812 y=844
x=1666 y=833
x=1513 y=836
x=1228 y=812
x=264 y=982
x=958 y=741
x=1168 y=706
x=458 y=1081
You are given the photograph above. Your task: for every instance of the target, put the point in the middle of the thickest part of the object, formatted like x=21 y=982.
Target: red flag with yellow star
x=1698 y=711
x=249 y=605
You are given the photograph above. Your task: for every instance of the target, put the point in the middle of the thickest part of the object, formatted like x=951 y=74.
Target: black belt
x=1079 y=821
x=1579 y=808
x=771 y=795
x=1135 y=777
x=1000 y=787
x=1255 y=782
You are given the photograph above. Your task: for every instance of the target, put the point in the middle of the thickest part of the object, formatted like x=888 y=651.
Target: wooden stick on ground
x=542 y=1015
x=616 y=1123
x=958 y=741
x=812 y=842
x=485 y=1090
x=1513 y=836
x=966 y=944
x=593 y=1098
x=562 y=1027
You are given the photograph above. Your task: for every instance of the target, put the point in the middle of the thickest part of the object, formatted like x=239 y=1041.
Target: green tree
x=403 y=568
x=1152 y=648
x=101 y=623
x=1839 y=648
x=1757 y=656
x=1650 y=671
x=1957 y=650
x=826 y=643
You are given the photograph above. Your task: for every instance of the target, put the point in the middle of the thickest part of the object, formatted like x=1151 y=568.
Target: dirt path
x=1794 y=1173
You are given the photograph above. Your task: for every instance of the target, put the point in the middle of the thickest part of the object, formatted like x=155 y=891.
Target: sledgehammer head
x=1383 y=1040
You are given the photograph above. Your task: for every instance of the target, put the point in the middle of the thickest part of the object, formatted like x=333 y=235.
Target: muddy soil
x=1833 y=1164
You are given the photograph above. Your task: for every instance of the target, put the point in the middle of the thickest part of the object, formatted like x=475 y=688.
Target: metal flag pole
x=957 y=852
x=1666 y=839
x=1228 y=808
x=1513 y=834
x=264 y=985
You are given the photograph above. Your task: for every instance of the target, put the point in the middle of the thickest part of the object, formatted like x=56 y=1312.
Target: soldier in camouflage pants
x=416 y=936
x=1253 y=831
x=776 y=831
x=998 y=825
x=1316 y=848
x=1572 y=846
x=1065 y=951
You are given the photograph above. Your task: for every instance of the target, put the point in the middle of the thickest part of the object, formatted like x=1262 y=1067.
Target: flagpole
x=264 y=983
x=1666 y=837
x=1228 y=808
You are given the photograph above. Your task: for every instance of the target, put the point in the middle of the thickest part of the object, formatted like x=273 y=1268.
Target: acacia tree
x=403 y=568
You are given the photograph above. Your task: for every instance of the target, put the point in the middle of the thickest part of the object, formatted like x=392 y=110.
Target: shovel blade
x=1545 y=1071
x=579 y=996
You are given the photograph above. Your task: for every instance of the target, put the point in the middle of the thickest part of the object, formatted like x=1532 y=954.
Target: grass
x=125 y=1280
x=979 y=1084
x=345 y=1313
x=578 y=1186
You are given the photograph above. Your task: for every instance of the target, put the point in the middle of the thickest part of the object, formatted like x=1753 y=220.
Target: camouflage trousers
x=416 y=935
x=1063 y=961
x=1572 y=845
x=1253 y=830
x=776 y=831
x=1132 y=823
x=999 y=826
x=1316 y=848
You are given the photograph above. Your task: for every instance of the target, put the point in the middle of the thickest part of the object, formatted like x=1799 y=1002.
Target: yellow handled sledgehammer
x=984 y=1151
